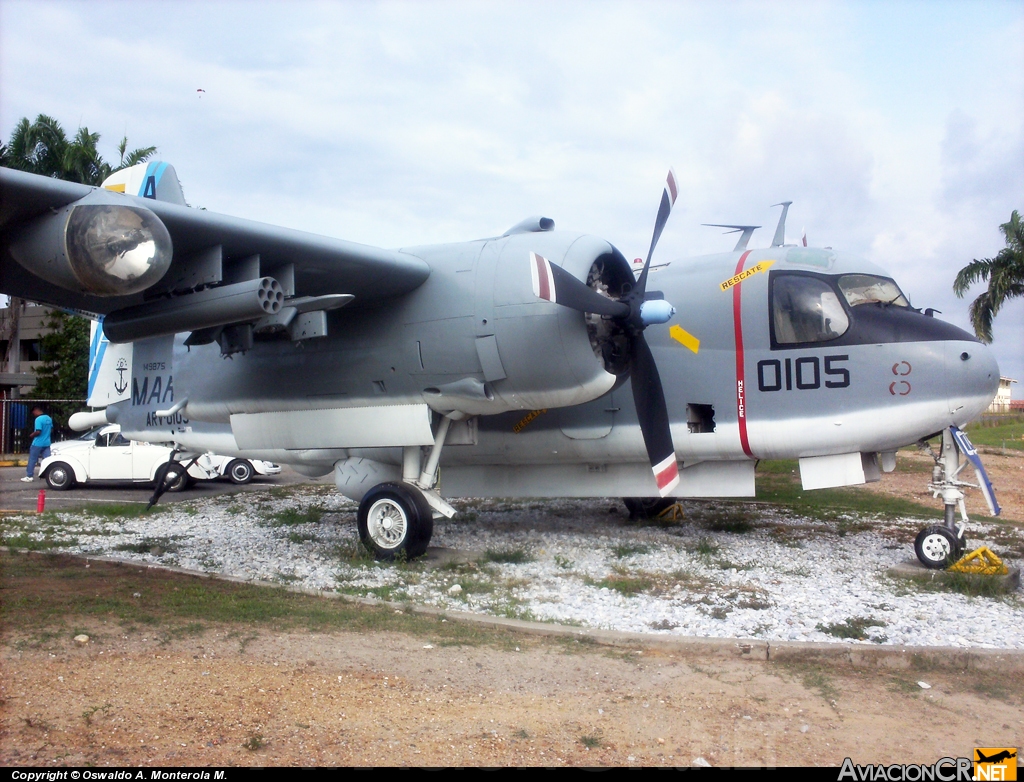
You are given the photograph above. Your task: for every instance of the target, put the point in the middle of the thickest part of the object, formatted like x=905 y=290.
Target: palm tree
x=1005 y=275
x=42 y=147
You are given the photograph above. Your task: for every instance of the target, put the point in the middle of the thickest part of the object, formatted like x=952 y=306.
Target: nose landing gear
x=939 y=546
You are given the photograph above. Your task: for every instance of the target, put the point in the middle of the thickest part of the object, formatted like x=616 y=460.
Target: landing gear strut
x=938 y=547
x=396 y=519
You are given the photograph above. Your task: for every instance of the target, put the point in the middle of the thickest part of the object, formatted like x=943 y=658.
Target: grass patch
x=703 y=547
x=254 y=742
x=855 y=627
x=821 y=683
x=998 y=431
x=778 y=482
x=590 y=741
x=508 y=556
x=629 y=585
x=56 y=592
x=118 y=510
x=25 y=540
x=155 y=546
x=623 y=550
x=970 y=585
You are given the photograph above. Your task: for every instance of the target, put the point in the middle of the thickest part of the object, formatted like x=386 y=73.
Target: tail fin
x=148 y=180
x=110 y=369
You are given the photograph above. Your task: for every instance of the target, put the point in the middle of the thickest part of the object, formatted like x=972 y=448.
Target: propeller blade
x=668 y=200
x=652 y=412
x=555 y=284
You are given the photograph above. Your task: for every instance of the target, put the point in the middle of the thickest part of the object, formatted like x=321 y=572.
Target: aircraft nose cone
x=973 y=377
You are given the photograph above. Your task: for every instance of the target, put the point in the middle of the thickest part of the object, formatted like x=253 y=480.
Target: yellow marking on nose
x=763 y=266
x=116 y=188
x=684 y=338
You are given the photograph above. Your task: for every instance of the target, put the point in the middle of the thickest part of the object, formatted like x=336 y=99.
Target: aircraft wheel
x=176 y=478
x=938 y=547
x=240 y=471
x=393 y=520
x=60 y=476
x=647 y=507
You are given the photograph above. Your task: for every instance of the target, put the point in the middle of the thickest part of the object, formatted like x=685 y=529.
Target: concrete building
x=20 y=336
x=1002 y=402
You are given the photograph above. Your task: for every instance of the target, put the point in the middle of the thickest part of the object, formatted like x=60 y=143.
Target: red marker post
x=41 y=501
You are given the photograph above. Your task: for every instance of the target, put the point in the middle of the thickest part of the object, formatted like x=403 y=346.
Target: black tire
x=938 y=547
x=60 y=476
x=176 y=479
x=395 y=520
x=647 y=507
x=240 y=471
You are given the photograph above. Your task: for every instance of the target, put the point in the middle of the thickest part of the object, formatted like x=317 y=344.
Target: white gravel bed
x=725 y=570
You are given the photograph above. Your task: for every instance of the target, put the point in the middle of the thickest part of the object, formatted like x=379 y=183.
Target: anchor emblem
x=121 y=385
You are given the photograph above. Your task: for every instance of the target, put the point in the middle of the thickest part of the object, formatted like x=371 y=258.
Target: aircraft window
x=806 y=309
x=867 y=289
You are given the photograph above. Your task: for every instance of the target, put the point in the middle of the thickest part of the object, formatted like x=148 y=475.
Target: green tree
x=65 y=371
x=1005 y=275
x=42 y=147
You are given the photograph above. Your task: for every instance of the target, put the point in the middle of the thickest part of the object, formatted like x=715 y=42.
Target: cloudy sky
x=897 y=128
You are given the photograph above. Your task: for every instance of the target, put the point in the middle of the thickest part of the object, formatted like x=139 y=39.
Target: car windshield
x=91 y=434
x=868 y=289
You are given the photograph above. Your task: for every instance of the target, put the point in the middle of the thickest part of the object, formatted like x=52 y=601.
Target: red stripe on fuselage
x=741 y=385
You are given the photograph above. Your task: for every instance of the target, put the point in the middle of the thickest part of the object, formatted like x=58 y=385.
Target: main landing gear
x=396 y=519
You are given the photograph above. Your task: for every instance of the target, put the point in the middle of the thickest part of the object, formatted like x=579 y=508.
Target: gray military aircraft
x=494 y=367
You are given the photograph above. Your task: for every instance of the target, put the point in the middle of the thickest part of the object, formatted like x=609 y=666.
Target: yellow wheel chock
x=982 y=561
x=673 y=512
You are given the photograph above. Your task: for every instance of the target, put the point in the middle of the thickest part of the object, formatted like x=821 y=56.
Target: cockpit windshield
x=806 y=309
x=868 y=289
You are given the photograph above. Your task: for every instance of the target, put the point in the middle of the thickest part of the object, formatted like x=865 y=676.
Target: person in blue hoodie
x=40 y=447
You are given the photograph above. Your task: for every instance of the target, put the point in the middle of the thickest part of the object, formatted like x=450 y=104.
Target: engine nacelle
x=98 y=245
x=534 y=354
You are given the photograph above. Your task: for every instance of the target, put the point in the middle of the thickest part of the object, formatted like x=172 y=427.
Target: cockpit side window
x=869 y=289
x=806 y=309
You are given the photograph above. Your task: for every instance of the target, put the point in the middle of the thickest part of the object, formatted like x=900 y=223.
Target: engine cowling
x=535 y=354
x=98 y=245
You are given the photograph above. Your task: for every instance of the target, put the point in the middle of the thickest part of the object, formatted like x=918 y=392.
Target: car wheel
x=60 y=476
x=176 y=478
x=395 y=520
x=240 y=471
x=938 y=547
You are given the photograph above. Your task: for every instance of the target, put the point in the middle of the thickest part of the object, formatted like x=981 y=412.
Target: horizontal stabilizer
x=747 y=232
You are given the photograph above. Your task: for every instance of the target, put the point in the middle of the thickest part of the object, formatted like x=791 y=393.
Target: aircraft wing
x=212 y=248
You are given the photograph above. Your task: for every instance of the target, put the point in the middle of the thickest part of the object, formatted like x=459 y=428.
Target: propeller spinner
x=634 y=311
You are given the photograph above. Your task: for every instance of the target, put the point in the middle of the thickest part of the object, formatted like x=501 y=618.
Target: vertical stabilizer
x=780 y=230
x=155 y=180
x=110 y=368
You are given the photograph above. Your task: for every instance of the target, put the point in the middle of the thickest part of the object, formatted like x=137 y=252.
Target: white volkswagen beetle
x=103 y=454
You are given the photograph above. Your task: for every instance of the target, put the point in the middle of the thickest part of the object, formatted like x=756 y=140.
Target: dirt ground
x=1005 y=470
x=389 y=699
